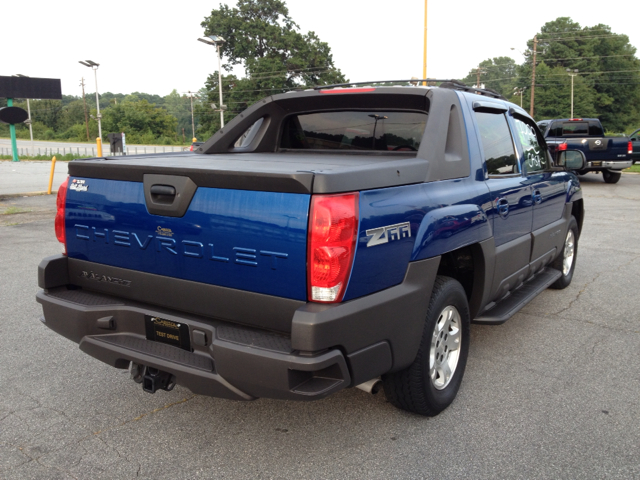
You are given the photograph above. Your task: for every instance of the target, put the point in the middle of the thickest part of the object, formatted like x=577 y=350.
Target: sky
x=152 y=47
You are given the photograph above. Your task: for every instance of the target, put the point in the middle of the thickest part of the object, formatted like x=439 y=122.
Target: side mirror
x=571 y=159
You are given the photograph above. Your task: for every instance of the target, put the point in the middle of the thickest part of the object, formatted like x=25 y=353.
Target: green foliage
x=495 y=73
x=553 y=94
x=276 y=57
x=608 y=82
x=180 y=107
x=142 y=121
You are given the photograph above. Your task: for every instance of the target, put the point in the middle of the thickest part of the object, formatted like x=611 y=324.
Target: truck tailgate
x=241 y=239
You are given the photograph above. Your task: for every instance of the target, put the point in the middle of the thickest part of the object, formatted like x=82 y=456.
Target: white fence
x=88 y=151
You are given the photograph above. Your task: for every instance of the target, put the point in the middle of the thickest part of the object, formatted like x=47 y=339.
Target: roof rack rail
x=444 y=83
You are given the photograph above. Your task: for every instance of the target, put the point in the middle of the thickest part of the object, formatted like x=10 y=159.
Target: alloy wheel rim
x=445 y=347
x=569 y=252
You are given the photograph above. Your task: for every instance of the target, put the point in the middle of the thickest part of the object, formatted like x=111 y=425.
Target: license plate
x=596 y=164
x=166 y=331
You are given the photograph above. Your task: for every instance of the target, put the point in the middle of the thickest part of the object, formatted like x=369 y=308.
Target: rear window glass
x=382 y=130
x=575 y=128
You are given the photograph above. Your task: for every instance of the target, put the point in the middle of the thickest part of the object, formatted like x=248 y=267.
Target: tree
x=498 y=74
x=276 y=56
x=553 y=94
x=609 y=72
x=180 y=107
x=142 y=121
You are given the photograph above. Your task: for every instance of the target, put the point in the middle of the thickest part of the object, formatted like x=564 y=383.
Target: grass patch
x=63 y=158
x=633 y=168
x=13 y=211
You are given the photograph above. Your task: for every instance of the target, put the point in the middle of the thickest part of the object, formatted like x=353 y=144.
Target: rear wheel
x=431 y=382
x=610 y=176
x=566 y=261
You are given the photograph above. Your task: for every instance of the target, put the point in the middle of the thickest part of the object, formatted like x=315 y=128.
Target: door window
x=497 y=144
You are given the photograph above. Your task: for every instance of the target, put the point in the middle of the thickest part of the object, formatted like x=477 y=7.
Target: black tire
x=413 y=389
x=570 y=246
x=611 y=177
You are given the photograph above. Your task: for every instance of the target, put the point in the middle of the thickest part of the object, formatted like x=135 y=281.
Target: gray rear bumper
x=328 y=347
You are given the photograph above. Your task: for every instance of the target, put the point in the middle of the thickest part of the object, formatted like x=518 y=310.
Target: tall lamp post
x=193 y=123
x=216 y=41
x=376 y=117
x=572 y=73
x=519 y=91
x=94 y=66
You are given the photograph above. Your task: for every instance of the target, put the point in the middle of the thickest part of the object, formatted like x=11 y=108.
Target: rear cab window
x=384 y=131
x=576 y=128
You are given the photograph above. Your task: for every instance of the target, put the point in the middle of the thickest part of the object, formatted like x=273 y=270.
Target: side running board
x=511 y=305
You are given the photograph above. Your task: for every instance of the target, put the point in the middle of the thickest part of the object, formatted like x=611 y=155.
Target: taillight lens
x=333 y=230
x=61 y=201
x=562 y=147
x=630 y=148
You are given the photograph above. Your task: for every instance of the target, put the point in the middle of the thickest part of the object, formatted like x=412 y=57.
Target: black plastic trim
x=396 y=314
x=249 y=308
x=168 y=195
x=53 y=272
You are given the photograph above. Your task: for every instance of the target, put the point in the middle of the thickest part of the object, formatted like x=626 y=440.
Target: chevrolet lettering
x=337 y=237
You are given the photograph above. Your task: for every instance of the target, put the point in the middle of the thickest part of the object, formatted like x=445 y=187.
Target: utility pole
x=193 y=124
x=86 y=118
x=533 y=73
x=479 y=71
x=572 y=74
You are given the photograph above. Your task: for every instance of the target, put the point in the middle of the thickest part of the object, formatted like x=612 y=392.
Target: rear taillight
x=60 y=205
x=630 y=148
x=191 y=148
x=562 y=147
x=333 y=230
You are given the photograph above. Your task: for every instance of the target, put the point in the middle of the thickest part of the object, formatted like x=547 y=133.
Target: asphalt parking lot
x=553 y=393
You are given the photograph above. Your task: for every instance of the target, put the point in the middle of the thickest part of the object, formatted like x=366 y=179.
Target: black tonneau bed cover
x=289 y=172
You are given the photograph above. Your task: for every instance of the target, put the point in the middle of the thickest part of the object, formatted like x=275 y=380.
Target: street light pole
x=220 y=86
x=572 y=74
x=533 y=73
x=376 y=117
x=94 y=66
x=216 y=41
x=193 y=123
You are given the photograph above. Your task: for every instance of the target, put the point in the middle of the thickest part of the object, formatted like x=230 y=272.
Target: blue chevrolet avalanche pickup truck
x=329 y=238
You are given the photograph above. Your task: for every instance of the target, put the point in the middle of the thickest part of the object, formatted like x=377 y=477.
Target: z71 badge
x=388 y=234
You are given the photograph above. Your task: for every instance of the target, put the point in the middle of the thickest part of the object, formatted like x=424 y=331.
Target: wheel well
x=459 y=265
x=468 y=266
x=577 y=210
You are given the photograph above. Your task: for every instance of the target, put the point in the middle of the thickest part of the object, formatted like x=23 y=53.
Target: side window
x=497 y=144
x=535 y=158
x=248 y=136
